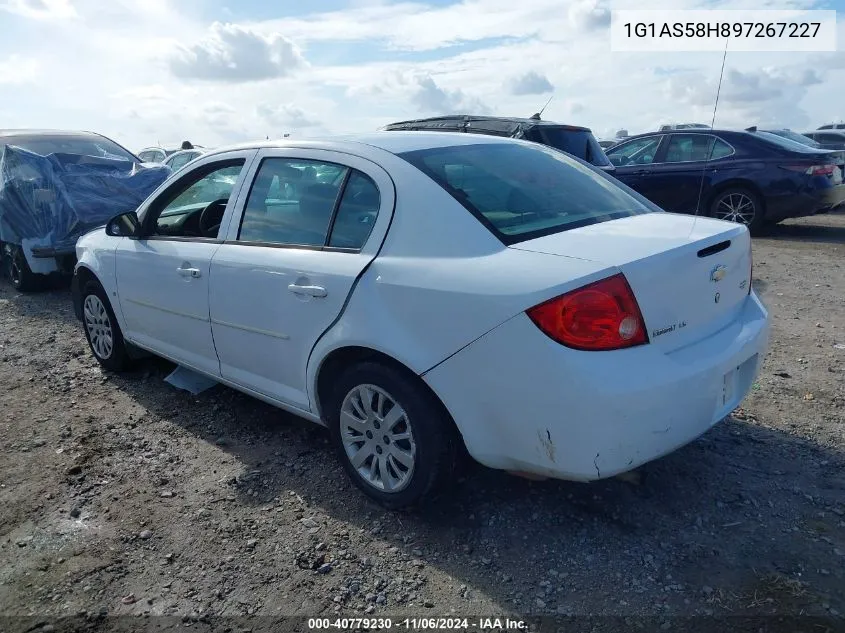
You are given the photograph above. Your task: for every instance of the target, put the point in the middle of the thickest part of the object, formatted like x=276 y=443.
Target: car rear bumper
x=806 y=203
x=524 y=403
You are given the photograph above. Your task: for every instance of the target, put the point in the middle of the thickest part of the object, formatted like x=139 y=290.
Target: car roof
x=687 y=131
x=44 y=132
x=392 y=142
x=475 y=117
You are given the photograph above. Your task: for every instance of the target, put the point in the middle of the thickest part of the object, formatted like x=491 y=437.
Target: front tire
x=102 y=330
x=740 y=205
x=395 y=440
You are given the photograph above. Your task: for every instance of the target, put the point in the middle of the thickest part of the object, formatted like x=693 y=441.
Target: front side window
x=524 y=191
x=640 y=151
x=291 y=202
x=194 y=207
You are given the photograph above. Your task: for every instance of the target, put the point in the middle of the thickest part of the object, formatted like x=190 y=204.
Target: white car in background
x=414 y=291
x=178 y=160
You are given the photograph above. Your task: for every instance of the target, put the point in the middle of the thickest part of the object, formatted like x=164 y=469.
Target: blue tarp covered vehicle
x=56 y=186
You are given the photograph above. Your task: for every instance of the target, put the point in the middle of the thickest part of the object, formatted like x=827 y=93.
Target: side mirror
x=124 y=225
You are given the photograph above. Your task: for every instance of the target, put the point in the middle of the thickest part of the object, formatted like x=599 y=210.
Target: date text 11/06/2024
x=487 y=625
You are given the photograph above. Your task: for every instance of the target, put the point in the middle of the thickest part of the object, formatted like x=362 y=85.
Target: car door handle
x=189 y=272
x=641 y=172
x=312 y=291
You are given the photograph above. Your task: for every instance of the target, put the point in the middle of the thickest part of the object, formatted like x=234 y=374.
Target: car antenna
x=712 y=125
x=536 y=115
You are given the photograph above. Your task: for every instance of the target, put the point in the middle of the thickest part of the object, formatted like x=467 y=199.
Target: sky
x=147 y=72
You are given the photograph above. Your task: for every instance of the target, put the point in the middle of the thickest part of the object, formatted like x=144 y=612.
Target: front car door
x=634 y=161
x=162 y=277
x=311 y=223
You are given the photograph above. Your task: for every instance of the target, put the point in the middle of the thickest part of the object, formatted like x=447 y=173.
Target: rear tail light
x=598 y=317
x=814 y=170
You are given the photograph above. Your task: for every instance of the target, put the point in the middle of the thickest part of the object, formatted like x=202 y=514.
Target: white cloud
x=39 y=9
x=531 y=83
x=146 y=70
x=285 y=116
x=418 y=26
x=234 y=53
x=589 y=14
x=420 y=90
x=18 y=70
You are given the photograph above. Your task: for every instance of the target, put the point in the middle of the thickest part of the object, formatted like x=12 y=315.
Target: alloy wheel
x=99 y=327
x=736 y=207
x=377 y=437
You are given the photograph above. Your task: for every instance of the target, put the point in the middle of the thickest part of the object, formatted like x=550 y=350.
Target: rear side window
x=520 y=192
x=686 y=148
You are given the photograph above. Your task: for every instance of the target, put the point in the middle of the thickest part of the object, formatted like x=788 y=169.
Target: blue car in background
x=55 y=186
x=748 y=177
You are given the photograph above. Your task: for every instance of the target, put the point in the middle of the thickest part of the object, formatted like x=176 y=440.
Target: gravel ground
x=122 y=495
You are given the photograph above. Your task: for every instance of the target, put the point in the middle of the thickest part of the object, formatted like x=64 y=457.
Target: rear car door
x=686 y=171
x=311 y=223
x=162 y=278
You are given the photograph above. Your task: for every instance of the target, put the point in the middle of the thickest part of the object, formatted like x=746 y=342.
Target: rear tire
x=395 y=440
x=102 y=330
x=740 y=205
x=19 y=273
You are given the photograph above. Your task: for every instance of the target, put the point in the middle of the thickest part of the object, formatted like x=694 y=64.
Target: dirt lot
x=122 y=495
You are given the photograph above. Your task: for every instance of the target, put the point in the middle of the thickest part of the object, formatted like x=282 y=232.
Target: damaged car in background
x=56 y=186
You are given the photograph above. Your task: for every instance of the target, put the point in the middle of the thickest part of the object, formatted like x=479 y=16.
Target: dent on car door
x=162 y=277
x=312 y=222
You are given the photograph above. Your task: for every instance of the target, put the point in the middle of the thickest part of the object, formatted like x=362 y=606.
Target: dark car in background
x=828 y=139
x=574 y=140
x=732 y=175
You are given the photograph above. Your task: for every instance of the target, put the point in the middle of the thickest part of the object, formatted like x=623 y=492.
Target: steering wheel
x=211 y=217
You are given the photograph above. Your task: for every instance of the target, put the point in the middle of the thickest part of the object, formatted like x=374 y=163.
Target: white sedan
x=418 y=292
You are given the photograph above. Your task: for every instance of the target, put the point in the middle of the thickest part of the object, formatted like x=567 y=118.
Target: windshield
x=86 y=145
x=794 y=136
x=520 y=192
x=579 y=143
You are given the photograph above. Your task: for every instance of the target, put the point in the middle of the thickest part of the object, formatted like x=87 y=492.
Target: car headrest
x=317 y=201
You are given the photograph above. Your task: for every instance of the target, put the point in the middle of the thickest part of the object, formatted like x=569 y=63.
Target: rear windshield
x=67 y=144
x=522 y=191
x=579 y=143
x=794 y=136
x=785 y=143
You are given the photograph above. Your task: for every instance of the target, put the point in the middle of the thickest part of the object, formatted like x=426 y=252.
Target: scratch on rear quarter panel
x=596 y=464
x=547 y=443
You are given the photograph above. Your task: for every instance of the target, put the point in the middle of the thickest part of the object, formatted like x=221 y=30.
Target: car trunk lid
x=690 y=275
